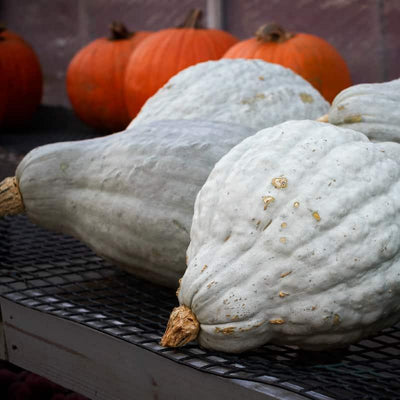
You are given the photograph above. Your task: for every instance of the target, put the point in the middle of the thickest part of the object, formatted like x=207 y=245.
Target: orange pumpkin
x=313 y=58
x=95 y=79
x=166 y=53
x=21 y=82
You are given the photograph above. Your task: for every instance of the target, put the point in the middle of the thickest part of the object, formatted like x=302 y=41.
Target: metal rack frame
x=65 y=309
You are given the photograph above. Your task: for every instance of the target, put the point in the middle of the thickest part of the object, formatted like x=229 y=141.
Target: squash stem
x=182 y=328
x=324 y=118
x=10 y=197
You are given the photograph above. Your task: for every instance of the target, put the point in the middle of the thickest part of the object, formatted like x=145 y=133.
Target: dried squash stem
x=182 y=327
x=324 y=118
x=10 y=197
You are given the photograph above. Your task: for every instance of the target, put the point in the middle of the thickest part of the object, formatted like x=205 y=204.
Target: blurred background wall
x=365 y=32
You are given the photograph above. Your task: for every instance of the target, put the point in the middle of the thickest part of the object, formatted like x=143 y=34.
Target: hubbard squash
x=295 y=240
x=371 y=108
x=312 y=57
x=129 y=196
x=248 y=92
x=166 y=53
x=21 y=81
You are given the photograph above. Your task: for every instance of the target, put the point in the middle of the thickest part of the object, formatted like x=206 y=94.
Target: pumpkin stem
x=118 y=31
x=272 y=32
x=193 y=19
x=10 y=198
x=182 y=328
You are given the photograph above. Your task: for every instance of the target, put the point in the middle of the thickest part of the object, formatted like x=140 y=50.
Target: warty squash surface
x=295 y=240
x=129 y=196
x=371 y=108
x=248 y=92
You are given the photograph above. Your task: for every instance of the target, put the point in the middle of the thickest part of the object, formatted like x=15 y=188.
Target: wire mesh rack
x=59 y=275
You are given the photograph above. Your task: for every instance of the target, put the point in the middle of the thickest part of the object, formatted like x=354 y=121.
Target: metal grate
x=61 y=276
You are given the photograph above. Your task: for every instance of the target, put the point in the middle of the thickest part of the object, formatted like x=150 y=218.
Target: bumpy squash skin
x=371 y=108
x=319 y=266
x=247 y=92
x=130 y=195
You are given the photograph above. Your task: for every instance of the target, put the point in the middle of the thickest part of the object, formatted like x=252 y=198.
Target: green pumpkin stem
x=193 y=20
x=118 y=31
x=272 y=32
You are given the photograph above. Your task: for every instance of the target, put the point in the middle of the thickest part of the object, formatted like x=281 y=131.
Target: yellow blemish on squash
x=296 y=204
x=316 y=216
x=179 y=287
x=352 y=119
x=280 y=183
x=227 y=238
x=210 y=284
x=64 y=167
x=226 y=331
x=267 y=200
x=306 y=98
x=253 y=99
x=283 y=294
x=285 y=274
x=276 y=321
x=245 y=329
x=283 y=225
x=261 y=78
x=282 y=240
x=336 y=319
x=204 y=268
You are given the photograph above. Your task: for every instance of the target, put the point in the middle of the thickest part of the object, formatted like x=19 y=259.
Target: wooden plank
x=103 y=367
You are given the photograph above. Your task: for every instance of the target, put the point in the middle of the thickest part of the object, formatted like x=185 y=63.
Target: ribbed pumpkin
x=308 y=55
x=166 y=53
x=95 y=79
x=21 y=82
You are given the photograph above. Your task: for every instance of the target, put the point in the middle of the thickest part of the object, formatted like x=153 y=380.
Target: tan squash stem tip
x=10 y=198
x=324 y=118
x=182 y=328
